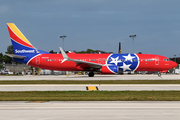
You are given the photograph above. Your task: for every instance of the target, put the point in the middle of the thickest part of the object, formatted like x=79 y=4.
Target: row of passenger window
x=77 y=59
x=100 y=60
x=147 y=59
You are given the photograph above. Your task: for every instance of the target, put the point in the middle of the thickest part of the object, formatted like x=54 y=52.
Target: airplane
x=26 y=53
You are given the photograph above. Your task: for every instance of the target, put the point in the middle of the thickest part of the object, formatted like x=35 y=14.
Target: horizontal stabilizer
x=15 y=56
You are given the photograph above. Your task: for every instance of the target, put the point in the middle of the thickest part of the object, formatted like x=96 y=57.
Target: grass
x=91 y=96
x=90 y=82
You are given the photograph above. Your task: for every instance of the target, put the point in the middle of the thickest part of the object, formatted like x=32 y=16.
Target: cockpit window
x=166 y=59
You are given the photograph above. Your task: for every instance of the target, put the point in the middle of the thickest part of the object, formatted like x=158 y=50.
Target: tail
x=21 y=46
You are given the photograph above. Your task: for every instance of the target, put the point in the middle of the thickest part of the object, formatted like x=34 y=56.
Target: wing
x=82 y=64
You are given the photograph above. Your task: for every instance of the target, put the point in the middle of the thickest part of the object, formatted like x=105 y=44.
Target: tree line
x=6 y=59
x=86 y=51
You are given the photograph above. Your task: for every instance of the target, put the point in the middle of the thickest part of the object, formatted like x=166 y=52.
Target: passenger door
x=37 y=60
x=156 y=60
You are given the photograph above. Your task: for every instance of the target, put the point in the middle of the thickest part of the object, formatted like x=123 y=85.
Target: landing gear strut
x=159 y=74
x=91 y=74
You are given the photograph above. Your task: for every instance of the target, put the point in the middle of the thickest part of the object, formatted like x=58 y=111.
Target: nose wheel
x=159 y=74
x=91 y=74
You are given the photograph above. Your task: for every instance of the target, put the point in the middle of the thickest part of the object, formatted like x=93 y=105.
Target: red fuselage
x=146 y=62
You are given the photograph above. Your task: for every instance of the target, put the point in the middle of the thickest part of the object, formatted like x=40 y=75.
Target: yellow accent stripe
x=18 y=32
x=92 y=88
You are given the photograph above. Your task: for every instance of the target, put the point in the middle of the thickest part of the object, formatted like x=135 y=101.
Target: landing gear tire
x=91 y=74
x=159 y=74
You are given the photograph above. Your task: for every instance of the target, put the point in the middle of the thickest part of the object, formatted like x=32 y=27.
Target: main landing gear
x=91 y=74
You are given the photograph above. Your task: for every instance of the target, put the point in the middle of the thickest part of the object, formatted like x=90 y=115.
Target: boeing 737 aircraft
x=26 y=53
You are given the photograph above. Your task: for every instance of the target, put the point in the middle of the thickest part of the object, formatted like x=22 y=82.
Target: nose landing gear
x=159 y=74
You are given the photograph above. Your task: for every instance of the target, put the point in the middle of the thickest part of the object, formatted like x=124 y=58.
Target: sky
x=95 y=24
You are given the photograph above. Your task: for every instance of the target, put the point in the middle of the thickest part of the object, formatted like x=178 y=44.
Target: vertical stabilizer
x=21 y=45
x=17 y=36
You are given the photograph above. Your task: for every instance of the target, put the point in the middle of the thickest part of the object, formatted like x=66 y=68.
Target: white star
x=129 y=57
x=125 y=67
x=115 y=60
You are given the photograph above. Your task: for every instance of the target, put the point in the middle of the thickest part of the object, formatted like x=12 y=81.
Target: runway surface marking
x=92 y=88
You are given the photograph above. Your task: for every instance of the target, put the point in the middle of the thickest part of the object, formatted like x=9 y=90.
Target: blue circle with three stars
x=122 y=62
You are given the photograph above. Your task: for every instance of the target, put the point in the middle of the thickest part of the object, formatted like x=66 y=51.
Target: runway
x=96 y=77
x=102 y=87
x=97 y=110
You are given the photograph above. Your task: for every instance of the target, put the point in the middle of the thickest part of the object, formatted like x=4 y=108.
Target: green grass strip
x=91 y=96
x=90 y=82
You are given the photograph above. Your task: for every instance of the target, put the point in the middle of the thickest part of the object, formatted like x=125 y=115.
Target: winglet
x=64 y=55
